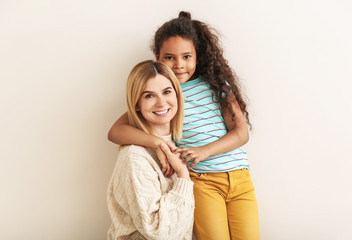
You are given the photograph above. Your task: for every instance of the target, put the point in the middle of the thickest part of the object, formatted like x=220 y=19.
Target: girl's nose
x=178 y=64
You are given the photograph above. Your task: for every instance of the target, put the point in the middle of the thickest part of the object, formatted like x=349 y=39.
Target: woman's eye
x=167 y=92
x=148 y=96
x=168 y=58
x=187 y=56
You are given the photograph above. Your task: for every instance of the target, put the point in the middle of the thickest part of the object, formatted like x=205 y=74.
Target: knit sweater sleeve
x=155 y=214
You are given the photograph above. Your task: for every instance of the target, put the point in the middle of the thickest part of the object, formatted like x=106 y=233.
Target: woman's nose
x=160 y=101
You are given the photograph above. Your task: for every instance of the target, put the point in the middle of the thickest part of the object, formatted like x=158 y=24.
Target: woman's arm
x=177 y=164
x=236 y=137
x=157 y=214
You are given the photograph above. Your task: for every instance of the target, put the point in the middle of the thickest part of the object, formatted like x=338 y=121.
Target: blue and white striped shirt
x=203 y=124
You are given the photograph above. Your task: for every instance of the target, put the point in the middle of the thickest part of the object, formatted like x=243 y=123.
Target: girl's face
x=158 y=104
x=180 y=55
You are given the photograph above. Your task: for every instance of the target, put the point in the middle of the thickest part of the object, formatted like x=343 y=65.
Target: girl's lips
x=179 y=74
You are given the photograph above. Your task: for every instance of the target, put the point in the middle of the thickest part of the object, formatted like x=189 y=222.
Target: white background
x=63 y=67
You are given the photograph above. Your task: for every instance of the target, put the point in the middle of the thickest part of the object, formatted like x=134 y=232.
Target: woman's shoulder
x=133 y=156
x=132 y=152
x=136 y=162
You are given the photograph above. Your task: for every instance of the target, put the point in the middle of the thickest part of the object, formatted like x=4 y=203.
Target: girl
x=143 y=204
x=215 y=128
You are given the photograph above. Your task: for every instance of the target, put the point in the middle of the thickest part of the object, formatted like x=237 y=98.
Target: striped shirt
x=203 y=124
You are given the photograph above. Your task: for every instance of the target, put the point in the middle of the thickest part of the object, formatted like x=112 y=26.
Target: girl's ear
x=157 y=57
x=137 y=108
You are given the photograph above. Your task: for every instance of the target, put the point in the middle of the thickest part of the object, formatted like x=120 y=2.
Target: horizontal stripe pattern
x=203 y=124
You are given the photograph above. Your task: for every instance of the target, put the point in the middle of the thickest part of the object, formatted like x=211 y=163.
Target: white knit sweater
x=143 y=204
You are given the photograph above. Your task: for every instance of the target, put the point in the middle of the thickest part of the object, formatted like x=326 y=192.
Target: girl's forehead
x=177 y=43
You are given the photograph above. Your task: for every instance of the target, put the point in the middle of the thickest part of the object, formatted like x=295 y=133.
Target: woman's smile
x=158 y=104
x=162 y=113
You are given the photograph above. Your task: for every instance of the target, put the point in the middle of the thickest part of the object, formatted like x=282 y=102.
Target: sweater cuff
x=183 y=186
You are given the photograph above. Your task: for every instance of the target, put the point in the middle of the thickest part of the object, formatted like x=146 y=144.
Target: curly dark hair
x=210 y=60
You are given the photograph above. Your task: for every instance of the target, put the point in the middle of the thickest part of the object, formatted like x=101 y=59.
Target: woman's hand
x=175 y=161
x=166 y=168
x=194 y=154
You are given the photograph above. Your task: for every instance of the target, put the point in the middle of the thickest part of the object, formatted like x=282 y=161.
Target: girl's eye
x=168 y=58
x=148 y=96
x=167 y=92
x=187 y=56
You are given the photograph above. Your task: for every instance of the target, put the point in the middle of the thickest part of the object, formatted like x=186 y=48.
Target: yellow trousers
x=225 y=206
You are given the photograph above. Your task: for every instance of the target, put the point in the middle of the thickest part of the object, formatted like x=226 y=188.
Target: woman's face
x=158 y=104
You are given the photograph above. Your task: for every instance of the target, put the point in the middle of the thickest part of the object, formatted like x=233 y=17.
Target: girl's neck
x=192 y=78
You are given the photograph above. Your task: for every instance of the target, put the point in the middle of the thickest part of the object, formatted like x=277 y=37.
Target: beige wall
x=63 y=66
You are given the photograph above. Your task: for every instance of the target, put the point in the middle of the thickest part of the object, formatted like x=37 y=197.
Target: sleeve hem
x=183 y=186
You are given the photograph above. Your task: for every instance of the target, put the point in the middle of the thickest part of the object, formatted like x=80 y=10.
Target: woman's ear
x=137 y=108
x=157 y=58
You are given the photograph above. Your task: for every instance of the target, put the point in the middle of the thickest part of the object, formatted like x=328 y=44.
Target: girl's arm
x=236 y=137
x=122 y=133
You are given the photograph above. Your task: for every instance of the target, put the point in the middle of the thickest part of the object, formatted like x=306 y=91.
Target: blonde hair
x=136 y=82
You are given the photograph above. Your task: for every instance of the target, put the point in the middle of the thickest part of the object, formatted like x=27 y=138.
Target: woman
x=142 y=202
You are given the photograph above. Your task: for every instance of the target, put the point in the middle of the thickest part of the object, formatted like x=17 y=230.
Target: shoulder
x=134 y=162
x=137 y=165
x=133 y=154
x=132 y=149
x=137 y=158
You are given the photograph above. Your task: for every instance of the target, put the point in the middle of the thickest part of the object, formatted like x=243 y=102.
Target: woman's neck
x=161 y=131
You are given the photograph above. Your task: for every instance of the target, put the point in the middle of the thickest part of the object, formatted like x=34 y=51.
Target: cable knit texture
x=143 y=204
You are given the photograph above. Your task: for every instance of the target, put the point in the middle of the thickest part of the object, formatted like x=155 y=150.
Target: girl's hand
x=194 y=154
x=175 y=161
x=166 y=168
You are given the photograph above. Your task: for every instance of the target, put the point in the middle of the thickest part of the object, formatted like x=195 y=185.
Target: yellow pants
x=225 y=206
